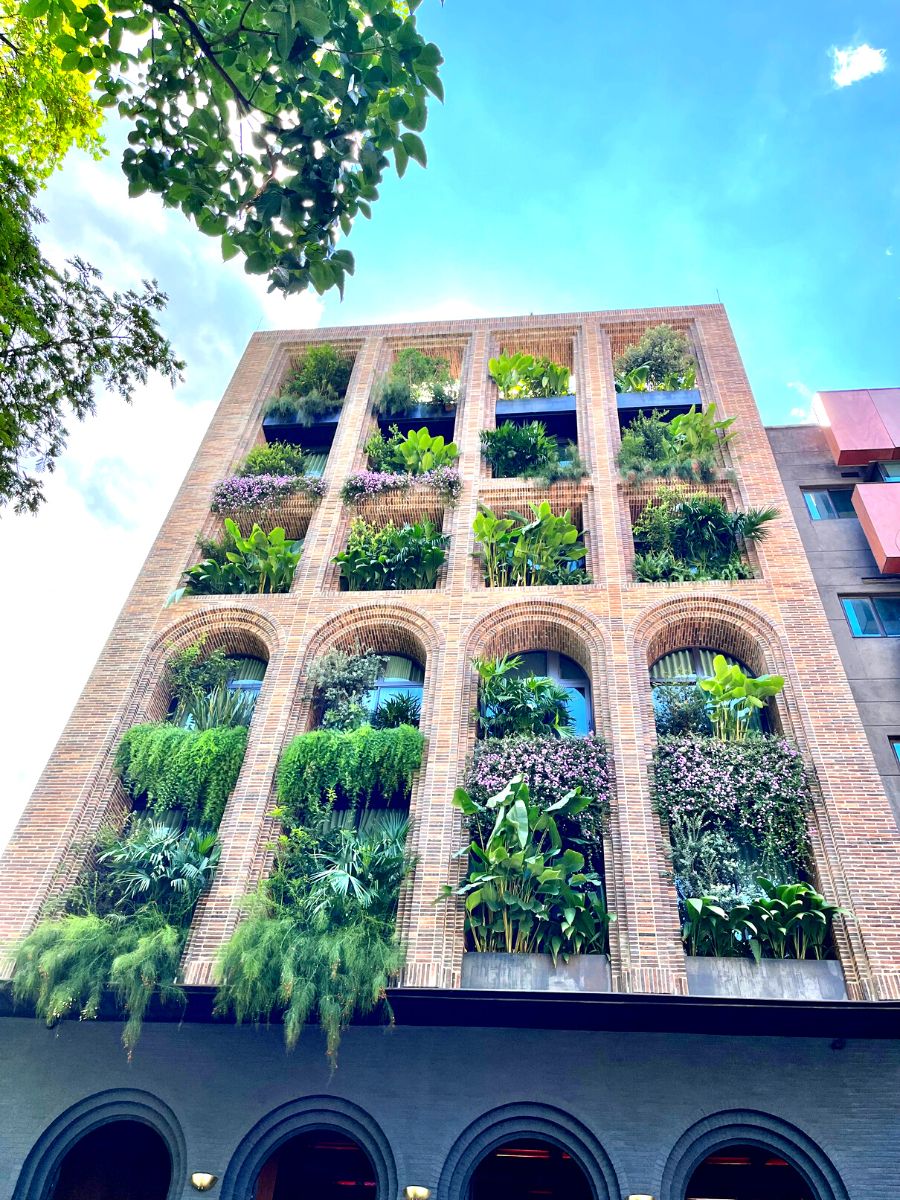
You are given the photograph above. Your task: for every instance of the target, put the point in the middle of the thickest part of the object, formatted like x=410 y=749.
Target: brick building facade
x=606 y=1094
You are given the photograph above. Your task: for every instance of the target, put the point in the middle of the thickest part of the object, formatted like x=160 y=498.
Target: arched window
x=323 y=1164
x=402 y=677
x=747 y=1173
x=121 y=1160
x=567 y=673
x=526 y=1167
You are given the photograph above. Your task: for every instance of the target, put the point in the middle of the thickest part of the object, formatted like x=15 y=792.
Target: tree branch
x=167 y=8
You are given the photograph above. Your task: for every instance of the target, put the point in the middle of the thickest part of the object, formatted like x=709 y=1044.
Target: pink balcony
x=878 y=508
x=863 y=425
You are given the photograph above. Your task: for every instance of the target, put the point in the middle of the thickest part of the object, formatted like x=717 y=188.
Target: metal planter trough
x=279 y=428
x=630 y=404
x=771 y=979
x=496 y=972
x=535 y=406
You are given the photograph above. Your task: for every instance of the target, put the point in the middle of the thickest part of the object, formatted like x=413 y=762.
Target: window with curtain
x=567 y=673
x=402 y=676
x=682 y=668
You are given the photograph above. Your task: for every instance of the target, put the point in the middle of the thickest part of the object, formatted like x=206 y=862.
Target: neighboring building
x=838 y=476
x=678 y=1081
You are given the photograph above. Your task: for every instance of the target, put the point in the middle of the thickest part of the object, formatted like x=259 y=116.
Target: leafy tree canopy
x=61 y=335
x=44 y=109
x=269 y=122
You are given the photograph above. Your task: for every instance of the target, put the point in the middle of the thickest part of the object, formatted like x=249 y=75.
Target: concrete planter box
x=535 y=406
x=771 y=979
x=536 y=973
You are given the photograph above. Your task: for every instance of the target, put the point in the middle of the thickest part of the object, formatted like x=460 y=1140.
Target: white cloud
x=802 y=413
x=853 y=63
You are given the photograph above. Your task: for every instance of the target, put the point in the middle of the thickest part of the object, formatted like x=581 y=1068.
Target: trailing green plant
x=751 y=797
x=687 y=447
x=735 y=698
x=568 y=466
x=512 y=703
x=391 y=557
x=665 y=354
x=692 y=535
x=405 y=708
x=519 y=449
x=191 y=770
x=523 y=551
x=347 y=768
x=260 y=562
x=284 y=407
x=320 y=939
x=277 y=458
x=789 y=920
x=339 y=681
x=414 y=379
x=525 y=891
x=521 y=375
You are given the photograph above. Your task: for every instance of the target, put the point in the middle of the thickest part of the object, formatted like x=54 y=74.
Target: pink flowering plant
x=734 y=810
x=551 y=767
x=364 y=484
x=244 y=493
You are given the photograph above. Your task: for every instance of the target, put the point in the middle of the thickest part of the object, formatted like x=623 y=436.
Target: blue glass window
x=568 y=674
x=402 y=676
x=872 y=616
x=829 y=504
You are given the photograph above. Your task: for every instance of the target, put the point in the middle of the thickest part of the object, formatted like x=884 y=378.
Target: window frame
x=872 y=602
x=830 y=511
x=583 y=687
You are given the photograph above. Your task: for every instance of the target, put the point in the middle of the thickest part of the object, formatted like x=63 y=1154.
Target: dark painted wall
x=637 y=1093
x=842 y=564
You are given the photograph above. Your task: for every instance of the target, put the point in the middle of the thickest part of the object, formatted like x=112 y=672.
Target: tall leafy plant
x=261 y=562
x=392 y=557
x=316 y=386
x=339 y=681
x=734 y=698
x=520 y=375
x=512 y=703
x=687 y=447
x=661 y=359
x=522 y=551
x=416 y=378
x=526 y=892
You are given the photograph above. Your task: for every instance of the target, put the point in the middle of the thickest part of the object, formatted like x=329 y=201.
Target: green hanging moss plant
x=191 y=770
x=358 y=765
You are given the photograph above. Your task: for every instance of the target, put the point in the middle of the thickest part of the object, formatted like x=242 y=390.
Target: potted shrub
x=526 y=551
x=402 y=462
x=527 y=449
x=314 y=391
x=689 y=536
x=529 y=384
x=536 y=919
x=261 y=562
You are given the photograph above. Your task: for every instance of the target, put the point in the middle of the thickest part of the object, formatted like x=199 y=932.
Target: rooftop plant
x=261 y=562
x=317 y=385
x=521 y=551
x=363 y=485
x=512 y=703
x=682 y=535
x=660 y=361
x=687 y=447
x=392 y=557
x=512 y=449
x=525 y=891
x=416 y=378
x=521 y=375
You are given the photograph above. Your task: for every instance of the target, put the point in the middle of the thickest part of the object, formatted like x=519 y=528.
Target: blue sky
x=589 y=155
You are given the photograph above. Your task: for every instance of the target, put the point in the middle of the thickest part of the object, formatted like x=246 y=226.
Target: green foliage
x=61 y=338
x=679 y=708
x=193 y=672
x=639 y=379
x=319 y=381
x=321 y=940
x=277 y=458
x=157 y=863
x=402 y=709
x=510 y=703
x=351 y=767
x=568 y=465
x=271 y=130
x=685 y=535
x=391 y=557
x=525 y=449
x=523 y=551
x=521 y=375
x=44 y=109
x=525 y=892
x=415 y=378
x=687 y=447
x=191 y=770
x=261 y=562
x=338 y=683
x=414 y=453
x=665 y=353
x=790 y=920
x=734 y=698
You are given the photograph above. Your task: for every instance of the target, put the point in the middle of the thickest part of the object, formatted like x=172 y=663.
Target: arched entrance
x=524 y=1167
x=747 y=1173
x=120 y=1160
x=319 y=1164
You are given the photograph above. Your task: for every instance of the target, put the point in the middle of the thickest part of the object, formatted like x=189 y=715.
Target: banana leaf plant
x=261 y=562
x=735 y=698
x=522 y=551
x=525 y=892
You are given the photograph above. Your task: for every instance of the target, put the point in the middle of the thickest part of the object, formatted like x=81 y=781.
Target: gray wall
x=842 y=563
x=636 y=1093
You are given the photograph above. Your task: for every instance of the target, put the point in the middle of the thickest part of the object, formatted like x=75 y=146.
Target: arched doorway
x=523 y=1167
x=747 y=1173
x=320 y=1164
x=120 y=1160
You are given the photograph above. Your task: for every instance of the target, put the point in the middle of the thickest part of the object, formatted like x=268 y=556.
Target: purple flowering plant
x=242 y=493
x=363 y=484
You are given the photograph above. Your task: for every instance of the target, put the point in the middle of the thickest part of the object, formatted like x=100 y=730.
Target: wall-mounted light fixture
x=638 y=1196
x=203 y=1181
x=417 y=1193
